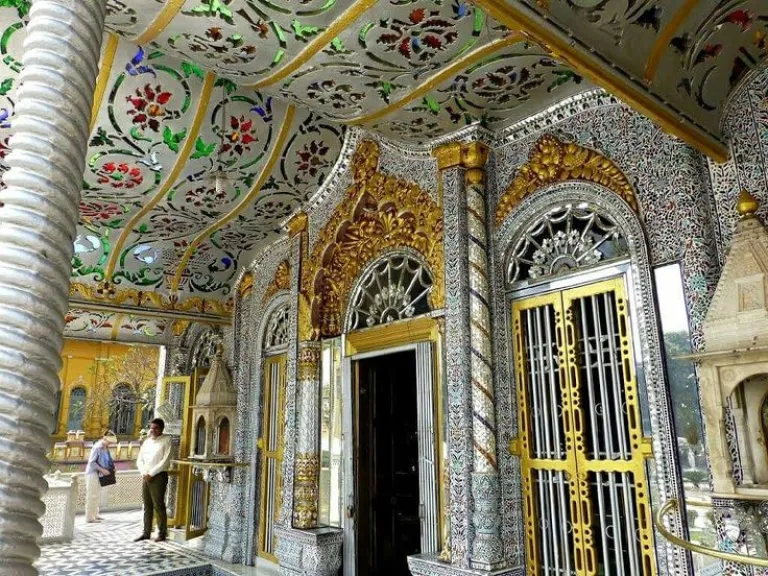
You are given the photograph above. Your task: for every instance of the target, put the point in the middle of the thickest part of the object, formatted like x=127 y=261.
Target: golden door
x=582 y=448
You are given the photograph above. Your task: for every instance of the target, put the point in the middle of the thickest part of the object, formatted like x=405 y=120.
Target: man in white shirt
x=153 y=462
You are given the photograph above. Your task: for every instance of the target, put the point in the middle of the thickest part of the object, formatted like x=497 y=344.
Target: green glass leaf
x=190 y=69
x=202 y=150
x=5 y=86
x=22 y=6
x=137 y=134
x=101 y=138
x=173 y=139
x=302 y=32
x=228 y=85
x=432 y=104
x=337 y=44
x=143 y=228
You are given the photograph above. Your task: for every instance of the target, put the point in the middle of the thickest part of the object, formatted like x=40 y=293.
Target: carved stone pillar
x=307 y=466
x=38 y=216
x=486 y=551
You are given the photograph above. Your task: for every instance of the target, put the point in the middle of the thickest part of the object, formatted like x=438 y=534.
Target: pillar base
x=431 y=565
x=314 y=552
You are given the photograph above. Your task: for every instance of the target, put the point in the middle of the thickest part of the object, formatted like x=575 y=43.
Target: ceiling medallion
x=379 y=213
x=552 y=160
x=281 y=280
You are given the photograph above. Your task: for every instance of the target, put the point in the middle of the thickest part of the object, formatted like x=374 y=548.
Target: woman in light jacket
x=99 y=464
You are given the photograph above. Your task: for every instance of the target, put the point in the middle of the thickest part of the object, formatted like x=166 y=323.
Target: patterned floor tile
x=107 y=549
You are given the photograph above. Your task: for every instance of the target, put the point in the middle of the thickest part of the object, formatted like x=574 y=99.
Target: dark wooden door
x=388 y=462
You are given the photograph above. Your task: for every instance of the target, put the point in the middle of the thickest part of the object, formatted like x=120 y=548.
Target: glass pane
x=331 y=493
x=683 y=389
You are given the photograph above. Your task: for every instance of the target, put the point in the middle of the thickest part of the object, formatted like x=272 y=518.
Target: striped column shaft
x=38 y=218
x=483 y=405
x=487 y=547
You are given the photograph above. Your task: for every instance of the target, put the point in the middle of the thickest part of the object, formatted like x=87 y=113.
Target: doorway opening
x=387 y=475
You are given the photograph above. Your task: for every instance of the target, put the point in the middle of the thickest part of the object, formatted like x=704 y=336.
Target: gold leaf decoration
x=552 y=160
x=378 y=213
x=107 y=293
x=281 y=280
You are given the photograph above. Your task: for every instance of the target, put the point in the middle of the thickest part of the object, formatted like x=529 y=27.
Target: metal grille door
x=271 y=447
x=584 y=478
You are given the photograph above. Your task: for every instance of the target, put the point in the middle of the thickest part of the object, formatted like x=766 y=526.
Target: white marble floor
x=107 y=549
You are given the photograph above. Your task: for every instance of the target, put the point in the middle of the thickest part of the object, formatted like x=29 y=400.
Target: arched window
x=564 y=239
x=123 y=410
x=397 y=287
x=276 y=334
x=222 y=444
x=76 y=409
x=200 y=437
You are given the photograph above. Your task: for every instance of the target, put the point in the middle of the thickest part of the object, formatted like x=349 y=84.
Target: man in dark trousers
x=153 y=462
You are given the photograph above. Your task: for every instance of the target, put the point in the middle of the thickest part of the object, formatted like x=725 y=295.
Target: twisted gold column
x=38 y=216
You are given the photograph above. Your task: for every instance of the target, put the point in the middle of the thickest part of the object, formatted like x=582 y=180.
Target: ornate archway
x=551 y=161
x=379 y=213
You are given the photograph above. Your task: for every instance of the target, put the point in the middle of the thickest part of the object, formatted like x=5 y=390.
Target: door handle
x=350 y=511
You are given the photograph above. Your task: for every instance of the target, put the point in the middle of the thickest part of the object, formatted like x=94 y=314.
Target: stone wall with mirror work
x=745 y=125
x=683 y=214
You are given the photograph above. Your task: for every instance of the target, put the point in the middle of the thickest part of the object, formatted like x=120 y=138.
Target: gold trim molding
x=322 y=40
x=170 y=180
x=553 y=160
x=280 y=281
x=266 y=170
x=379 y=212
x=245 y=287
x=107 y=294
x=444 y=74
x=169 y=11
x=515 y=17
x=105 y=70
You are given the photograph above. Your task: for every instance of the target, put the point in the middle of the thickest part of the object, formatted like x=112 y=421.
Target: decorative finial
x=747 y=205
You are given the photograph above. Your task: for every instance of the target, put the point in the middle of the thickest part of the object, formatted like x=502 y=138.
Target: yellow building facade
x=91 y=380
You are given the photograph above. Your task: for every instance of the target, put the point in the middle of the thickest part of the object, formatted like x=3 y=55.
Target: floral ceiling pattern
x=215 y=120
x=693 y=53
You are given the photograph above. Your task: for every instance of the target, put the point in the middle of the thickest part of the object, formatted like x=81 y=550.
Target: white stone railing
x=125 y=495
x=59 y=518
x=66 y=498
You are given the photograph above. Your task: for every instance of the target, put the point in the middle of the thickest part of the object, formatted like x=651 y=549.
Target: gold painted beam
x=102 y=81
x=515 y=17
x=441 y=76
x=274 y=155
x=170 y=9
x=662 y=41
x=178 y=166
x=170 y=315
x=322 y=40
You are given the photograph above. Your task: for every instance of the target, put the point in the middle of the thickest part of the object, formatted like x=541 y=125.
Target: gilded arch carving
x=551 y=160
x=280 y=281
x=378 y=213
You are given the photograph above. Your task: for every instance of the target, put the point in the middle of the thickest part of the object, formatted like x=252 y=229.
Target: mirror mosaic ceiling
x=257 y=95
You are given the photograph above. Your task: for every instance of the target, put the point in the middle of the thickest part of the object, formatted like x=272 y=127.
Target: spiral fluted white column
x=38 y=215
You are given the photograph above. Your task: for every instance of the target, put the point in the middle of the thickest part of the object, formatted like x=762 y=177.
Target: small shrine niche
x=215 y=415
x=733 y=368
